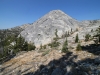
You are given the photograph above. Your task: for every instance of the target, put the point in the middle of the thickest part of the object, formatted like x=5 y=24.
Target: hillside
x=55 y=44
x=38 y=62
x=43 y=30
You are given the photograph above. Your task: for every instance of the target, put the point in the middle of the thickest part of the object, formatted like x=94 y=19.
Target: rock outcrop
x=43 y=30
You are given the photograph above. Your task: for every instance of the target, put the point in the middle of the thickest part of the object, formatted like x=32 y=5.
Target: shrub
x=78 y=47
x=44 y=47
x=46 y=52
x=55 y=44
x=50 y=45
x=31 y=47
x=65 y=48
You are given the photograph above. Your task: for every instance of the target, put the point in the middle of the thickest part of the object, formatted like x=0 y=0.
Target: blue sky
x=17 y=12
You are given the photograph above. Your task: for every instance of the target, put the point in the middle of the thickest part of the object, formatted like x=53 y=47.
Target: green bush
x=50 y=45
x=31 y=46
x=65 y=48
x=54 y=44
x=78 y=47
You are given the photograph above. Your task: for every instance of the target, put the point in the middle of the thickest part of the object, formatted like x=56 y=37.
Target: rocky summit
x=43 y=30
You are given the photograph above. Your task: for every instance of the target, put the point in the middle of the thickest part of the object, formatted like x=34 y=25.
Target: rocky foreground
x=53 y=62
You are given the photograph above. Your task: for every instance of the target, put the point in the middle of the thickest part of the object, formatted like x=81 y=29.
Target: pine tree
x=77 y=38
x=78 y=48
x=20 y=43
x=65 y=48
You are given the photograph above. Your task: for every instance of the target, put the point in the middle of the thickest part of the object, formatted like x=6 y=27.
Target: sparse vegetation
x=55 y=42
x=44 y=47
x=65 y=35
x=46 y=52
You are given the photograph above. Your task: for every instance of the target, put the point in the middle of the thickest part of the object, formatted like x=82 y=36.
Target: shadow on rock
x=92 y=48
x=67 y=66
